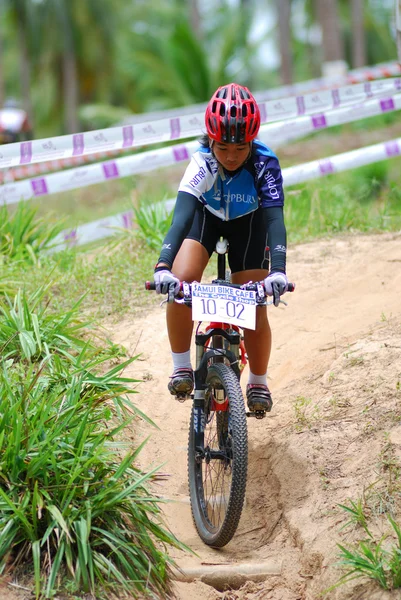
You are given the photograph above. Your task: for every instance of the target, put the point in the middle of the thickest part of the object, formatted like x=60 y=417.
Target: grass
x=364 y=200
x=73 y=506
x=375 y=559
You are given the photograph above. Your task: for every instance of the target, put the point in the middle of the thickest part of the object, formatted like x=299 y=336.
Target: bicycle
x=218 y=436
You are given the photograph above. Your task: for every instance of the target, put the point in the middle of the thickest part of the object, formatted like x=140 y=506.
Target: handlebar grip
x=291 y=287
x=150 y=285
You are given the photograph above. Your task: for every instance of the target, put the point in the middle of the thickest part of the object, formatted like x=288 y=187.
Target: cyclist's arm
x=184 y=211
x=276 y=237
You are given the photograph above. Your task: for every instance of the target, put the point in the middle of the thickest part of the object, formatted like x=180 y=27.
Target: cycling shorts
x=247 y=238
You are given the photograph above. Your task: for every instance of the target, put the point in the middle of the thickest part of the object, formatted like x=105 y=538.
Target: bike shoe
x=181 y=382
x=258 y=397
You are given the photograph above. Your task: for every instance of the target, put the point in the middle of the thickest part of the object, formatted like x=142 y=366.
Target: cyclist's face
x=231 y=156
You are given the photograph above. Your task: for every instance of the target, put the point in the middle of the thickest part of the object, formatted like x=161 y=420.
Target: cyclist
x=232 y=187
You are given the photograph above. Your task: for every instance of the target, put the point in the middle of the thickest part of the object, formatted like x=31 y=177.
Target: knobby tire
x=217 y=485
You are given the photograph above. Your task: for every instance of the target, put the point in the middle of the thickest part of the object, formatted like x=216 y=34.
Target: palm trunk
x=70 y=81
x=2 y=84
x=284 y=27
x=358 y=34
x=25 y=70
x=327 y=12
x=195 y=19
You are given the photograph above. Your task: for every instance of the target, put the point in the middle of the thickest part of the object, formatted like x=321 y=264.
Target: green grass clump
x=364 y=200
x=24 y=235
x=72 y=502
x=379 y=560
x=74 y=509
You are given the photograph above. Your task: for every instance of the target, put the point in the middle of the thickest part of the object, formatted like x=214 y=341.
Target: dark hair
x=204 y=141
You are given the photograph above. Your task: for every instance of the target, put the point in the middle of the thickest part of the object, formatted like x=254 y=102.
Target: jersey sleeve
x=184 y=211
x=270 y=183
x=198 y=177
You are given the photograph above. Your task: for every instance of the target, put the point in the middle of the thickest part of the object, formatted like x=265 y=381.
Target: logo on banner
x=100 y=137
x=49 y=145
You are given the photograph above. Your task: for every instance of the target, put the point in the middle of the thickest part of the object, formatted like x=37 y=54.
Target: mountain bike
x=218 y=436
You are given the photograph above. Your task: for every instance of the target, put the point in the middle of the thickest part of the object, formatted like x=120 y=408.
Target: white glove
x=276 y=284
x=163 y=279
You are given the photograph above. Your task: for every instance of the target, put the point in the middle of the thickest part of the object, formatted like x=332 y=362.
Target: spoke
x=217 y=473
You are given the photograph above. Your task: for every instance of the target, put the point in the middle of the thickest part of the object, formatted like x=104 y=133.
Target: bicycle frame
x=215 y=332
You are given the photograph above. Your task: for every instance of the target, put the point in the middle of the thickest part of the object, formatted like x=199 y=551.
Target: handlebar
x=258 y=287
x=150 y=285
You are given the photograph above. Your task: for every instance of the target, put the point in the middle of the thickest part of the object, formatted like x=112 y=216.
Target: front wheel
x=217 y=480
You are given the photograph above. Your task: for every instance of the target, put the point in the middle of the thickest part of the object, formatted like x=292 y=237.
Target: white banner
x=273 y=134
x=190 y=125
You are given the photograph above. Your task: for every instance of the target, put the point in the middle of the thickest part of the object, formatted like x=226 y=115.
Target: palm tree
x=171 y=67
x=81 y=48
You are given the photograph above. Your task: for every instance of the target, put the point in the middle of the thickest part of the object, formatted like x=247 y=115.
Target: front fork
x=203 y=355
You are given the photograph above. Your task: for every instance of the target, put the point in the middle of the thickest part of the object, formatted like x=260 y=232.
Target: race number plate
x=213 y=302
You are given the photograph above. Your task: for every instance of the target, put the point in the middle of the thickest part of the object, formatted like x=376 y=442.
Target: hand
x=164 y=279
x=276 y=284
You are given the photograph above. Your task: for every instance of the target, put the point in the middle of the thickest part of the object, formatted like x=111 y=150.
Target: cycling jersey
x=231 y=195
x=228 y=196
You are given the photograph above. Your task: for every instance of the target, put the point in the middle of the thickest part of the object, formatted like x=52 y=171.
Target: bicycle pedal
x=182 y=396
x=258 y=414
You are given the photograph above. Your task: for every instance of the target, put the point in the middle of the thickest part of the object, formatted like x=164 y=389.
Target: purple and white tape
x=341 y=162
x=185 y=126
x=106 y=227
x=273 y=134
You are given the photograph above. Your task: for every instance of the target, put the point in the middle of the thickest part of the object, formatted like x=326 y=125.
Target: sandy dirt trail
x=345 y=287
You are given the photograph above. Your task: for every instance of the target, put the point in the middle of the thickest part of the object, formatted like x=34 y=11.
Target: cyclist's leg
x=249 y=262
x=189 y=265
x=257 y=342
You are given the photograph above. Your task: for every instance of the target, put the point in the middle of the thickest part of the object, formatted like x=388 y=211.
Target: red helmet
x=232 y=115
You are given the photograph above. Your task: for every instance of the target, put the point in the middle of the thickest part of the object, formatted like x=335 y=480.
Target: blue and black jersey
x=231 y=195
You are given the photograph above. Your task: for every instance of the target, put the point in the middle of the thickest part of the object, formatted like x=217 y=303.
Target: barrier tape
x=369 y=73
x=273 y=134
x=390 y=69
x=186 y=126
x=108 y=226
x=42 y=168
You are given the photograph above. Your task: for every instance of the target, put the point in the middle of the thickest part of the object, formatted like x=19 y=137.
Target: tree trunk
x=398 y=26
x=327 y=13
x=70 y=92
x=195 y=19
x=358 y=34
x=70 y=77
x=25 y=71
x=2 y=84
x=284 y=30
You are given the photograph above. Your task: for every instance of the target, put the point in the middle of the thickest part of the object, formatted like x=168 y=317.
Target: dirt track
x=336 y=354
